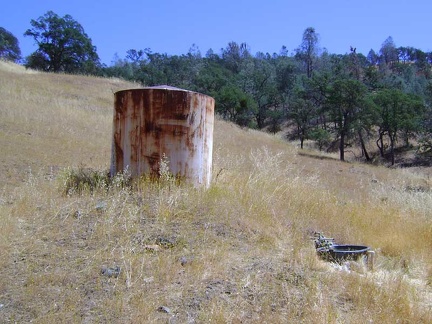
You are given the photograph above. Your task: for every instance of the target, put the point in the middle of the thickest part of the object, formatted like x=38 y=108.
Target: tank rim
x=161 y=87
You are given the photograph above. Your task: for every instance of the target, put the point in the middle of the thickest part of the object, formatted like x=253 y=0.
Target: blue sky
x=168 y=26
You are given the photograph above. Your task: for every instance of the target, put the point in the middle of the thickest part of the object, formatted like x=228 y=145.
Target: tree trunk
x=392 y=140
x=363 y=146
x=406 y=138
x=342 y=146
x=300 y=133
x=380 y=144
x=260 y=119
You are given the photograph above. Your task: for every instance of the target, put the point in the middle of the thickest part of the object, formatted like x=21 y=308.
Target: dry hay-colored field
x=77 y=246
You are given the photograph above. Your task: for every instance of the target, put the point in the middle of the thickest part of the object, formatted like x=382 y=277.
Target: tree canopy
x=63 y=45
x=9 y=46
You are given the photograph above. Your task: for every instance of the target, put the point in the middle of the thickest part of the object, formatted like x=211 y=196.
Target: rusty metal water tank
x=156 y=121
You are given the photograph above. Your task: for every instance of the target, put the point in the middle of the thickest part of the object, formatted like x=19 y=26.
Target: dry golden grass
x=48 y=121
x=237 y=252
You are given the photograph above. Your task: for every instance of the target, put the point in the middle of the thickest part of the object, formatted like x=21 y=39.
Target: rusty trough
x=154 y=123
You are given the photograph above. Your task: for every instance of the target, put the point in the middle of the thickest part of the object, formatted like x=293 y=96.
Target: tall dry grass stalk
x=79 y=247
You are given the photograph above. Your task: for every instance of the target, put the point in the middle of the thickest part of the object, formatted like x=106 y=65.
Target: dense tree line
x=336 y=100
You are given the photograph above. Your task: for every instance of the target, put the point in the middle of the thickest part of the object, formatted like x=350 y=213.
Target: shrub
x=82 y=180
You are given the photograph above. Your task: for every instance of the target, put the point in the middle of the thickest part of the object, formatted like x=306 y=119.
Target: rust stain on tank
x=161 y=120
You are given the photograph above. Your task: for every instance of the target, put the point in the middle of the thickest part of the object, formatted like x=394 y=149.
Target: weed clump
x=87 y=180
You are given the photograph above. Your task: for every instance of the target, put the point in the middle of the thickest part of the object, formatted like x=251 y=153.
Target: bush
x=88 y=180
x=82 y=180
x=321 y=136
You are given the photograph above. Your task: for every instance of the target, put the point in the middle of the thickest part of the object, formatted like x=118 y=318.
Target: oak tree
x=63 y=45
x=9 y=46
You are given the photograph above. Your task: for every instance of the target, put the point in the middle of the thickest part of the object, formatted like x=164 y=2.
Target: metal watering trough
x=329 y=251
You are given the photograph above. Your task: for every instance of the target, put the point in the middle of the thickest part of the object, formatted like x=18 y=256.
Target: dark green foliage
x=426 y=124
x=321 y=136
x=400 y=114
x=234 y=104
x=308 y=50
x=302 y=112
x=63 y=46
x=234 y=55
x=9 y=46
x=275 y=119
x=388 y=52
x=258 y=79
x=345 y=105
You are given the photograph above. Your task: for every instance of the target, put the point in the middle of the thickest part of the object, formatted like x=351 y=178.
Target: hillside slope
x=50 y=121
x=237 y=252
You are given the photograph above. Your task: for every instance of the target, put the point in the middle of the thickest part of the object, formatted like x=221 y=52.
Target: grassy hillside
x=237 y=252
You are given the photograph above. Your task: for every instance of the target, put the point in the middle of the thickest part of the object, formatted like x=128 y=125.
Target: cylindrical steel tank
x=154 y=122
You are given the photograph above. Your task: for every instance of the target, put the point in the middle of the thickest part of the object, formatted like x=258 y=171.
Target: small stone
x=101 y=205
x=185 y=260
x=148 y=280
x=164 y=309
x=165 y=242
x=111 y=272
x=152 y=247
